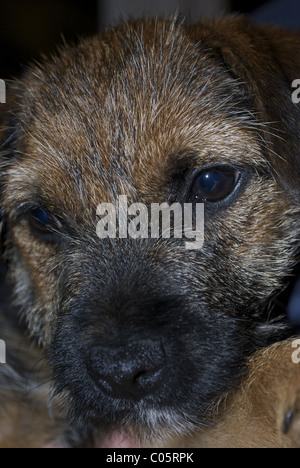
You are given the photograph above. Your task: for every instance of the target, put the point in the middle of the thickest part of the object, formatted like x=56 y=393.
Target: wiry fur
x=136 y=111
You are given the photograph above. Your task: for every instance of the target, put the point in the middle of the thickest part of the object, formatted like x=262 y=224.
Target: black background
x=31 y=28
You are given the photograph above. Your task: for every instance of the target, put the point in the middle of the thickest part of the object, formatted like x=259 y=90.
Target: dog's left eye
x=215 y=184
x=43 y=222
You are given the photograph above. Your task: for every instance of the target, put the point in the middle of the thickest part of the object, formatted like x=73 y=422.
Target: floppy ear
x=267 y=61
x=286 y=48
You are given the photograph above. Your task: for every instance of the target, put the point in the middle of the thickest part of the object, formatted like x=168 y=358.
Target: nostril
x=147 y=379
x=139 y=376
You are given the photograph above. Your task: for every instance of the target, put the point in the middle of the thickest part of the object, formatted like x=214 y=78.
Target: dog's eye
x=215 y=184
x=42 y=221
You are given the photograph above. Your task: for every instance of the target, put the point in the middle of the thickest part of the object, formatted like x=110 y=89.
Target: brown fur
x=132 y=111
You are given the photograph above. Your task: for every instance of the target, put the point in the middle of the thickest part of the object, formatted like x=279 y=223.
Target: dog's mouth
x=116 y=439
x=112 y=440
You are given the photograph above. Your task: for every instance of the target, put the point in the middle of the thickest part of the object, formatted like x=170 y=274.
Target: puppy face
x=144 y=332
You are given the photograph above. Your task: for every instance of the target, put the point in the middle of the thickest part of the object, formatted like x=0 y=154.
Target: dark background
x=31 y=28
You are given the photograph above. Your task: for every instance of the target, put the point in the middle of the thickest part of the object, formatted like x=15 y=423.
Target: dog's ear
x=266 y=60
x=286 y=49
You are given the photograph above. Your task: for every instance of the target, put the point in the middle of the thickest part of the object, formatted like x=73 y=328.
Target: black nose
x=130 y=371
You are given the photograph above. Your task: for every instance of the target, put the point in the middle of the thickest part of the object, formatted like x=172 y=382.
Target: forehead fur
x=111 y=115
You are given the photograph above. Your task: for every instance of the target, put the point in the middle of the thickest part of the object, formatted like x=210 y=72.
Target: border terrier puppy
x=143 y=335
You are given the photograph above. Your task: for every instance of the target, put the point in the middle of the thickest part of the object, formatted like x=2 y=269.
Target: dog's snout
x=130 y=371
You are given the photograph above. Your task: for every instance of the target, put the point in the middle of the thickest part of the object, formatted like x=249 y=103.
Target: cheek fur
x=33 y=270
